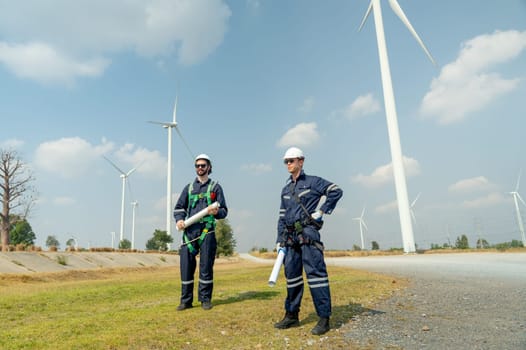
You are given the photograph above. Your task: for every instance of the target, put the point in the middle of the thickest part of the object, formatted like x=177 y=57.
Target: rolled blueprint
x=196 y=217
x=277 y=266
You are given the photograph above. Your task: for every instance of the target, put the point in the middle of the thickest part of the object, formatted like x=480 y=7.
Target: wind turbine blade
x=363 y=211
x=400 y=13
x=115 y=166
x=366 y=15
x=184 y=141
x=518 y=181
x=364 y=225
x=520 y=198
x=132 y=170
x=413 y=203
x=175 y=111
x=413 y=216
x=158 y=123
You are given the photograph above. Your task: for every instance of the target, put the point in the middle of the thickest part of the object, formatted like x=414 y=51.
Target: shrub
x=61 y=259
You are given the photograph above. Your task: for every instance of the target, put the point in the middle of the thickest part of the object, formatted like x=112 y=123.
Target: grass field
x=135 y=309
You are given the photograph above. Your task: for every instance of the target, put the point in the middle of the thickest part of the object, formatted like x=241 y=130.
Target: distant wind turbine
x=411 y=207
x=134 y=207
x=362 y=226
x=124 y=177
x=392 y=122
x=516 y=198
x=171 y=125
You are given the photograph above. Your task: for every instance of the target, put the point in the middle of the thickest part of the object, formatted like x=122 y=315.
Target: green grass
x=135 y=309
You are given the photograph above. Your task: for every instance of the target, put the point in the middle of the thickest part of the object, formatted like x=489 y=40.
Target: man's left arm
x=220 y=198
x=332 y=192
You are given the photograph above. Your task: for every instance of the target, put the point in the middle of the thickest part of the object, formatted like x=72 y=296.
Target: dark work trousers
x=207 y=254
x=310 y=257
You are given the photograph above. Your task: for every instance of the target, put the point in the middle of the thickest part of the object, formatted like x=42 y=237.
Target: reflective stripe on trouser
x=207 y=253
x=310 y=258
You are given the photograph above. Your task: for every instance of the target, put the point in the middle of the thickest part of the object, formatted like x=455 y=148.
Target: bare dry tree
x=17 y=195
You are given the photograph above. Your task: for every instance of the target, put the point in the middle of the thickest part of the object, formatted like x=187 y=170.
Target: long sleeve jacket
x=308 y=190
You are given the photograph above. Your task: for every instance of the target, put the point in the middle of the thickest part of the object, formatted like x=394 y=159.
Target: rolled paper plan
x=277 y=266
x=196 y=217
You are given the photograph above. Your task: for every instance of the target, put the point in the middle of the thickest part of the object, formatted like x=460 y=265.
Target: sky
x=79 y=81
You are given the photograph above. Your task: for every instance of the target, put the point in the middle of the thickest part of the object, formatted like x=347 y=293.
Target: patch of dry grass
x=135 y=309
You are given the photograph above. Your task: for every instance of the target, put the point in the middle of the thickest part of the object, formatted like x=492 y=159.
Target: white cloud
x=307 y=105
x=79 y=36
x=303 y=134
x=387 y=207
x=257 y=169
x=362 y=106
x=479 y=183
x=384 y=174
x=41 y=62
x=197 y=26
x=69 y=157
x=466 y=85
x=491 y=199
x=149 y=163
x=12 y=144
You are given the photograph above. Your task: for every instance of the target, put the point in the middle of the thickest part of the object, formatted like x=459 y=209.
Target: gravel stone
x=445 y=314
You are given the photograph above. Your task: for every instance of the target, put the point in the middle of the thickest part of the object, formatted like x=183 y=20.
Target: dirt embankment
x=32 y=262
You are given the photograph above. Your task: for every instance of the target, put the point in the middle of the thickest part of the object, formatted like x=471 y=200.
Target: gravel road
x=455 y=301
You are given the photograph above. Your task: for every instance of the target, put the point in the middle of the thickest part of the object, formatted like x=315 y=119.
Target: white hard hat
x=207 y=158
x=203 y=156
x=293 y=152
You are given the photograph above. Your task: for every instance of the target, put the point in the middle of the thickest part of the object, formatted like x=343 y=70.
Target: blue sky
x=80 y=80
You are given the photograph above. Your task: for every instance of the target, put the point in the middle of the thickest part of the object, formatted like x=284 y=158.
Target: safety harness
x=297 y=229
x=209 y=220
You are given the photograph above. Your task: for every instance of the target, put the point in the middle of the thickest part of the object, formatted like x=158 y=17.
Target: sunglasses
x=201 y=166
x=289 y=161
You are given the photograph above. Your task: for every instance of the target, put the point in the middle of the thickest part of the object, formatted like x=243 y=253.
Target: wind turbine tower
x=134 y=207
x=362 y=225
x=169 y=126
x=392 y=122
x=516 y=198
x=124 y=177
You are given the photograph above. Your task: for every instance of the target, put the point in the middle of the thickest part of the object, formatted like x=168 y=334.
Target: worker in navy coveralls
x=199 y=238
x=298 y=230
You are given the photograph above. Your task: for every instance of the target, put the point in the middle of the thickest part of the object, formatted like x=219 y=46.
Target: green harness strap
x=209 y=219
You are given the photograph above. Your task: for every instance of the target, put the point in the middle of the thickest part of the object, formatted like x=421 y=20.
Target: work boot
x=184 y=306
x=321 y=327
x=206 y=305
x=290 y=320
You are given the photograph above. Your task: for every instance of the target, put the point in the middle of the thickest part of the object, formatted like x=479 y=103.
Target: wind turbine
x=170 y=125
x=124 y=177
x=134 y=207
x=392 y=122
x=362 y=225
x=412 y=205
x=516 y=198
